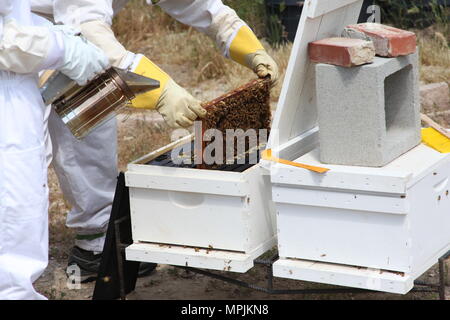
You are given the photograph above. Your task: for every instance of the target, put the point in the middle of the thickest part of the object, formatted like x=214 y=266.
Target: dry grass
x=137 y=137
x=435 y=54
x=168 y=43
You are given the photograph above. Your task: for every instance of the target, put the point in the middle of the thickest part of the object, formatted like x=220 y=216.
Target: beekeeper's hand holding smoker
x=24 y=51
x=87 y=169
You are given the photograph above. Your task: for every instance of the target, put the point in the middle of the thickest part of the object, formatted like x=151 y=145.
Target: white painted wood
x=429 y=222
x=353 y=237
x=421 y=269
x=297 y=112
x=189 y=180
x=320 y=8
x=341 y=200
x=190 y=257
x=261 y=209
x=395 y=178
x=293 y=148
x=201 y=208
x=196 y=257
x=342 y=275
x=319 y=221
x=156 y=153
x=191 y=219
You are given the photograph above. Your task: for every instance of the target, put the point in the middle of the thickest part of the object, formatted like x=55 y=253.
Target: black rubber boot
x=88 y=264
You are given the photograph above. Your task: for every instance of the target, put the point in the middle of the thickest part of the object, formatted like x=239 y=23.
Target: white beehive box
x=371 y=228
x=360 y=227
x=199 y=218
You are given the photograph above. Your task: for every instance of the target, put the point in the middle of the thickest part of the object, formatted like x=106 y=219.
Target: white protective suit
x=23 y=174
x=87 y=169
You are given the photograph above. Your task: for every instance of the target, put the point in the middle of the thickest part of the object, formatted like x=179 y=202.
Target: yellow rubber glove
x=178 y=107
x=248 y=51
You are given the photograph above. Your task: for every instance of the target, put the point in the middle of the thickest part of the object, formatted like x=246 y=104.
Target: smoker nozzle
x=136 y=83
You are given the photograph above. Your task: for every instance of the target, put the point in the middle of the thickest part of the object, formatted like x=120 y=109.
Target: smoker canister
x=84 y=108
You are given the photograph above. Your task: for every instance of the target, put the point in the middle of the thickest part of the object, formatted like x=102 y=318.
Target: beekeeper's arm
x=94 y=18
x=28 y=49
x=221 y=23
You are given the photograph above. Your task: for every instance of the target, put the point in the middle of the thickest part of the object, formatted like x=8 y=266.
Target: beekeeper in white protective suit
x=87 y=169
x=26 y=49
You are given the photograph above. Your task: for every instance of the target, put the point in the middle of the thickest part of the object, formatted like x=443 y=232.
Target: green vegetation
x=413 y=13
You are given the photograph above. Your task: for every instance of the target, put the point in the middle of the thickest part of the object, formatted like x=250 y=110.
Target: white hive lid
x=294 y=126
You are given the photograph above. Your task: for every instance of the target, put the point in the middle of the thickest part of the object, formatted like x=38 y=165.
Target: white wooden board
x=297 y=111
x=343 y=275
x=394 y=178
x=195 y=257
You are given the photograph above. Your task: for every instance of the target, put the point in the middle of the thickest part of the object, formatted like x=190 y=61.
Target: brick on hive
x=389 y=41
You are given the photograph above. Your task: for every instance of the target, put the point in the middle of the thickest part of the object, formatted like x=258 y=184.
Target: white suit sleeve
x=94 y=18
x=43 y=7
x=5 y=9
x=27 y=49
x=75 y=13
x=212 y=17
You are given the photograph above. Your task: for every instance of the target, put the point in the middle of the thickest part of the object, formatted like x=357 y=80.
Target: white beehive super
x=372 y=228
x=199 y=218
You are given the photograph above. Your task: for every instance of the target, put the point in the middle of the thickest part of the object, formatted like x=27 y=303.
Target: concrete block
x=368 y=115
x=388 y=41
x=343 y=52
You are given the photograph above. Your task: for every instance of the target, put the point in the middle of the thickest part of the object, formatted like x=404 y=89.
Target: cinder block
x=388 y=41
x=343 y=52
x=368 y=115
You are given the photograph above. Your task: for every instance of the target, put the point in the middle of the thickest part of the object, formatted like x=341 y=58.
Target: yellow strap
x=267 y=155
x=244 y=44
x=149 y=99
x=436 y=140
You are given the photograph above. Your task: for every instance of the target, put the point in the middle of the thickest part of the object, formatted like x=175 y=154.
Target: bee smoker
x=83 y=108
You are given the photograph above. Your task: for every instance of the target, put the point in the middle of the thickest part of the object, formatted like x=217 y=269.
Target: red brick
x=343 y=52
x=388 y=41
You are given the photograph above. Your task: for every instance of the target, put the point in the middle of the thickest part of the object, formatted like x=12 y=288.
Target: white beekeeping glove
x=82 y=60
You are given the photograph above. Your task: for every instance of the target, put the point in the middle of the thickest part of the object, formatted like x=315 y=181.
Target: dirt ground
x=168 y=283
